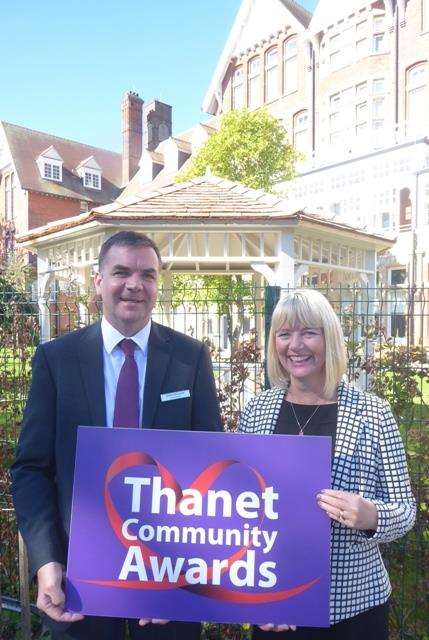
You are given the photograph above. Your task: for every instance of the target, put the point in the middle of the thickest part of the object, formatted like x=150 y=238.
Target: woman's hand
x=277 y=627
x=349 y=509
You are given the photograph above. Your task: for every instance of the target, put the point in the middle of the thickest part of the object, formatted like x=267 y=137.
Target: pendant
x=301 y=432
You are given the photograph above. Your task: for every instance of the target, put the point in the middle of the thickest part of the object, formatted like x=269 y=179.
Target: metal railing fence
x=387 y=335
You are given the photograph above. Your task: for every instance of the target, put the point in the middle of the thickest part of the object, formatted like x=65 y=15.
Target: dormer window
x=91 y=180
x=50 y=165
x=52 y=171
x=90 y=172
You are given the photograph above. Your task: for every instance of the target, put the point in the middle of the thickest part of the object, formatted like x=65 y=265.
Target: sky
x=67 y=65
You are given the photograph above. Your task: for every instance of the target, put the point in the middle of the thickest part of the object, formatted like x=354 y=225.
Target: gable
x=51 y=154
x=27 y=145
x=328 y=12
x=89 y=163
x=5 y=155
x=256 y=20
x=266 y=17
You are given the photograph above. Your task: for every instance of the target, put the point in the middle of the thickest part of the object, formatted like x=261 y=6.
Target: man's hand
x=50 y=594
x=349 y=509
x=144 y=621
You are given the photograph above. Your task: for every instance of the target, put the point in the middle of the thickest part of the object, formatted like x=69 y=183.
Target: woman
x=370 y=500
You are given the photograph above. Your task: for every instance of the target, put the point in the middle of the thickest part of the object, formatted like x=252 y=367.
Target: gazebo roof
x=208 y=200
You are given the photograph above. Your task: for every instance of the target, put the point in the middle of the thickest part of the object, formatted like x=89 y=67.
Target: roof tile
x=26 y=145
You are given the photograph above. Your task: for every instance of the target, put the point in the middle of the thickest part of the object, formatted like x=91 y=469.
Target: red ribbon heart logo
x=202 y=483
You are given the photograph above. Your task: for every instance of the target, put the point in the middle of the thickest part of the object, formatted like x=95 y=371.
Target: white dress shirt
x=113 y=359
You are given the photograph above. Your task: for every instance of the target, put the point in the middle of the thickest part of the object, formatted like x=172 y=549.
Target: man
x=121 y=371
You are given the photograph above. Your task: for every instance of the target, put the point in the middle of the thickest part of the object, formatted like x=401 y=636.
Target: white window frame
x=425 y=16
x=91 y=179
x=290 y=65
x=361 y=117
x=301 y=130
x=334 y=117
x=416 y=87
x=362 y=48
x=237 y=88
x=348 y=49
x=271 y=74
x=52 y=170
x=378 y=34
x=335 y=51
x=378 y=87
x=254 y=83
x=9 y=196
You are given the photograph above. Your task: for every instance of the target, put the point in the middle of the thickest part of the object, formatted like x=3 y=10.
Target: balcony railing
x=352 y=146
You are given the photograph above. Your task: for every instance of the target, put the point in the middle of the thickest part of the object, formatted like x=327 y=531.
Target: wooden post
x=24 y=590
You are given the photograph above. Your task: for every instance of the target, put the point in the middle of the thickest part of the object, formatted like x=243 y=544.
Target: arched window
x=301 y=140
x=379 y=34
x=405 y=208
x=254 y=83
x=290 y=65
x=425 y=15
x=271 y=74
x=417 y=95
x=9 y=193
x=237 y=89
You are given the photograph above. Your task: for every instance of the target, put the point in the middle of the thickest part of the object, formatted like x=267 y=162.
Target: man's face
x=128 y=286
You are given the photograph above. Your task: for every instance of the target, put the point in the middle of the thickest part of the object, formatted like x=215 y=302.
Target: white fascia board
x=51 y=238
x=51 y=154
x=7 y=163
x=90 y=163
x=222 y=65
x=230 y=48
x=327 y=13
x=265 y=21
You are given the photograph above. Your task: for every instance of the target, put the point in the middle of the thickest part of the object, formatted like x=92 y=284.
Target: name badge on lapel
x=175 y=395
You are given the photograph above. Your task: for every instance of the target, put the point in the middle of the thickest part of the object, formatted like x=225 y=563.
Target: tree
x=228 y=296
x=250 y=147
x=14 y=272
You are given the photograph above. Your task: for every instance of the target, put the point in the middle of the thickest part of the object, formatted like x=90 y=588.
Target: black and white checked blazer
x=369 y=459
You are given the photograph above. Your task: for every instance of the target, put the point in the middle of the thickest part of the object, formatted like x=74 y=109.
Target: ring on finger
x=342 y=515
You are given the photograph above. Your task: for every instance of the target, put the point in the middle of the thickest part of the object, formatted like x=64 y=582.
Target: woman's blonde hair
x=308 y=308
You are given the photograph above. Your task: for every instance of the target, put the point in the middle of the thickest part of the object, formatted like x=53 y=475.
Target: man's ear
x=97 y=281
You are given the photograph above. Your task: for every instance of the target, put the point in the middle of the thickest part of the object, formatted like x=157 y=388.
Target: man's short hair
x=127 y=239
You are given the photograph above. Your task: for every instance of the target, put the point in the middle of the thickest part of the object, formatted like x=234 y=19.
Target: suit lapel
x=90 y=355
x=158 y=358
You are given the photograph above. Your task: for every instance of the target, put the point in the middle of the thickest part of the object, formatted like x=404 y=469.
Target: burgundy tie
x=127 y=391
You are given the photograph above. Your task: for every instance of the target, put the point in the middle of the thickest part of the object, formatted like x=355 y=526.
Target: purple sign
x=197 y=526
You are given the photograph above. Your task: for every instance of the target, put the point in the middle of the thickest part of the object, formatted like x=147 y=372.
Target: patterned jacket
x=369 y=459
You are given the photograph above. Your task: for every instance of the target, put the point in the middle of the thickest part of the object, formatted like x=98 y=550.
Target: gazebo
x=213 y=226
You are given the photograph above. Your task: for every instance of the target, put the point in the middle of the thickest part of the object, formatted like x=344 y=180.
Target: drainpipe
x=413 y=260
x=313 y=98
x=396 y=27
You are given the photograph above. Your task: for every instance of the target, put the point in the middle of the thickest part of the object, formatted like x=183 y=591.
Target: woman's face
x=301 y=351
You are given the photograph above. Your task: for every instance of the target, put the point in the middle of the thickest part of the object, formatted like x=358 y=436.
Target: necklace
x=302 y=426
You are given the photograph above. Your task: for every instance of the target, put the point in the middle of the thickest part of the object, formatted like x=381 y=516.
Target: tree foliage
x=229 y=296
x=14 y=272
x=250 y=147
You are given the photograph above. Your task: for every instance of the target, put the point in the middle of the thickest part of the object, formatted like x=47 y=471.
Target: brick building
x=44 y=177
x=351 y=85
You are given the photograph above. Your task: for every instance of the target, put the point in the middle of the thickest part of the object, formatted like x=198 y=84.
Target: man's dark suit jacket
x=67 y=390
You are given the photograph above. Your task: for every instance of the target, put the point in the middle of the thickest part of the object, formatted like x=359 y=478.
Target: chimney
x=132 y=109
x=157 y=123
